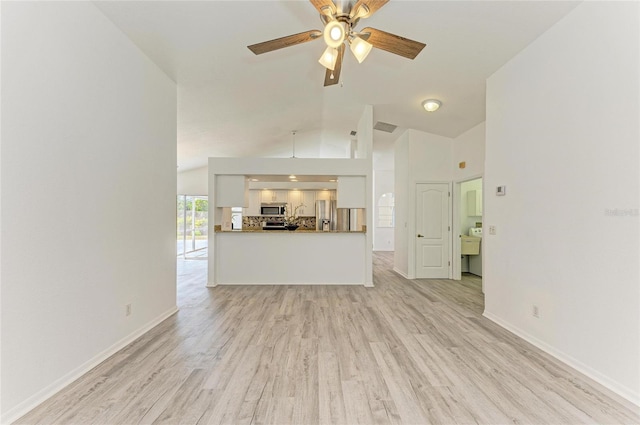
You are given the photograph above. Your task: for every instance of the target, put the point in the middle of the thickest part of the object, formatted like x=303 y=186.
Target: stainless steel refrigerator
x=350 y=219
x=342 y=219
x=326 y=210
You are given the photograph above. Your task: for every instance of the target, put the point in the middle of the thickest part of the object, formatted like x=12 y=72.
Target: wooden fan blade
x=372 y=5
x=392 y=43
x=282 y=42
x=320 y=5
x=328 y=81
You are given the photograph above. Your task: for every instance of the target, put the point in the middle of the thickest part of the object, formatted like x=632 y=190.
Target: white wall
x=469 y=147
x=383 y=182
x=313 y=143
x=562 y=135
x=193 y=182
x=365 y=151
x=419 y=158
x=402 y=194
x=88 y=196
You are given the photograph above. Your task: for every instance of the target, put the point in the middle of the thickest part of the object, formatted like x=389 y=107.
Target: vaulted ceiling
x=234 y=103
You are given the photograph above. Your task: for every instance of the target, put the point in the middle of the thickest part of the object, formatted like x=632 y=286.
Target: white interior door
x=432 y=230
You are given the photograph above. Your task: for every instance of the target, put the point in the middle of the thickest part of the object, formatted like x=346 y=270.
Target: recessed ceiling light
x=333 y=180
x=254 y=180
x=294 y=180
x=431 y=105
x=292 y=176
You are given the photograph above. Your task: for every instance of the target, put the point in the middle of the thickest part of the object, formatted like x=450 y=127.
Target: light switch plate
x=501 y=190
x=492 y=230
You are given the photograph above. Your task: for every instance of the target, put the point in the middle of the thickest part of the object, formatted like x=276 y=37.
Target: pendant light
x=293 y=137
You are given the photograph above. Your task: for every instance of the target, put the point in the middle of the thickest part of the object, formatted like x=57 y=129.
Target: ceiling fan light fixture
x=360 y=48
x=329 y=58
x=334 y=34
x=431 y=105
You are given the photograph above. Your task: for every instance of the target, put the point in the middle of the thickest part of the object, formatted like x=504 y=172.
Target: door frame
x=193 y=249
x=455 y=228
x=413 y=264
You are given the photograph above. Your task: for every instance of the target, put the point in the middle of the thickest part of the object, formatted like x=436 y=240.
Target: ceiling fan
x=339 y=29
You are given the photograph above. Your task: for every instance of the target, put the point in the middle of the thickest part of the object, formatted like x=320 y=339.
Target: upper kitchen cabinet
x=232 y=191
x=474 y=203
x=268 y=196
x=326 y=195
x=352 y=192
x=254 y=204
x=306 y=199
x=294 y=199
x=309 y=201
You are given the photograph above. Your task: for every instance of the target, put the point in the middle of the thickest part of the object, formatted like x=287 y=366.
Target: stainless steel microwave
x=272 y=209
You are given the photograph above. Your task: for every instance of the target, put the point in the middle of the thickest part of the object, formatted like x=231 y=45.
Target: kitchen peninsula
x=253 y=256
x=290 y=257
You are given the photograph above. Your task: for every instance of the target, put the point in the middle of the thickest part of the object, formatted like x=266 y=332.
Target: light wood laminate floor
x=404 y=352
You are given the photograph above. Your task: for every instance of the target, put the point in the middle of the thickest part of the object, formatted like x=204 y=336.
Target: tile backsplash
x=255 y=222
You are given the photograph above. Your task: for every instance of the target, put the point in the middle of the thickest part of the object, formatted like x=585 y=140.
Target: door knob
x=420 y=236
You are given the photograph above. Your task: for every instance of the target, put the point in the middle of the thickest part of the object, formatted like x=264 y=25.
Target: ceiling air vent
x=385 y=126
x=353 y=132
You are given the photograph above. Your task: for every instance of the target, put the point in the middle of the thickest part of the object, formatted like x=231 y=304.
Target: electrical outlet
x=127 y=310
x=535 y=312
x=492 y=230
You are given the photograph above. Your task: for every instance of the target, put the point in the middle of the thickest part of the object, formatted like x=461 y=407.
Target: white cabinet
x=309 y=201
x=254 y=204
x=474 y=203
x=293 y=200
x=326 y=195
x=280 y=196
x=268 y=196
x=306 y=198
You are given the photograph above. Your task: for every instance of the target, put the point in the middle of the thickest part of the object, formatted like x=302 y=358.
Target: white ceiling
x=234 y=103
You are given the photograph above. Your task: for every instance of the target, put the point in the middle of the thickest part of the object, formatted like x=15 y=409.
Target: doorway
x=433 y=230
x=468 y=211
x=192 y=226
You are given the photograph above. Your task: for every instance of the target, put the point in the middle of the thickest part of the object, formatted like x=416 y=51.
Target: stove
x=273 y=225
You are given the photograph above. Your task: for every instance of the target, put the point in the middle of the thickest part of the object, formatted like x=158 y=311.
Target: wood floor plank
x=403 y=352
x=330 y=398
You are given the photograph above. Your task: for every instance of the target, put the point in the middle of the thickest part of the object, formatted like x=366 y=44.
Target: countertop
x=306 y=231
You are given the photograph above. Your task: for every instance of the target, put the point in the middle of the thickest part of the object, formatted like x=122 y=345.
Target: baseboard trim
x=621 y=390
x=400 y=273
x=49 y=391
x=288 y=284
